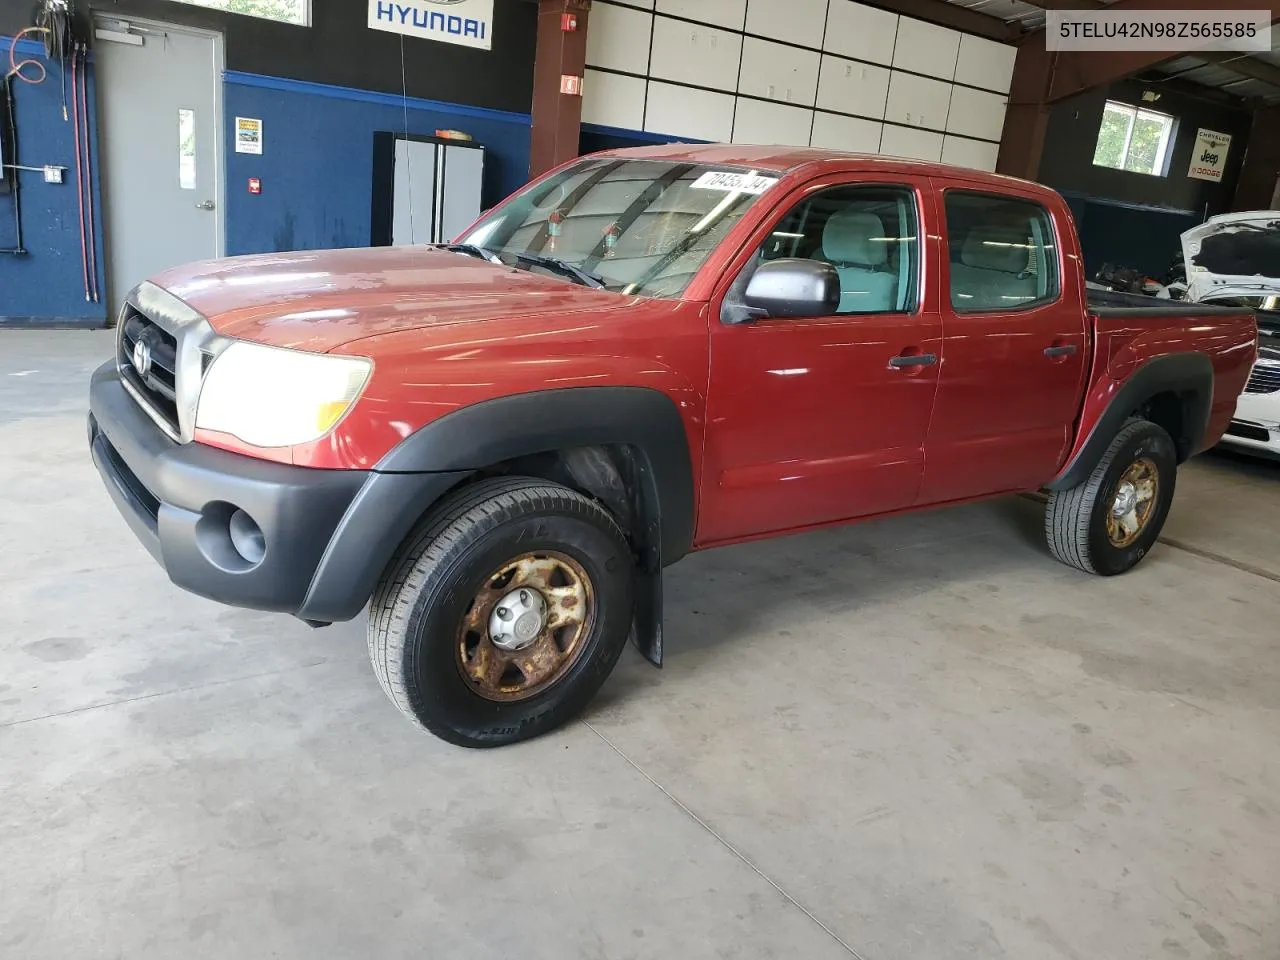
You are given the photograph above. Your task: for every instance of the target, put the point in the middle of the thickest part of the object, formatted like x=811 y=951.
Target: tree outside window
x=1133 y=139
x=286 y=11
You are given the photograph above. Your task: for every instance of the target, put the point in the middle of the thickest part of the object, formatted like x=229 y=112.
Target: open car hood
x=1233 y=255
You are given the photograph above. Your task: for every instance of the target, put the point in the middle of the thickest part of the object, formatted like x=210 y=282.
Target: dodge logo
x=142 y=358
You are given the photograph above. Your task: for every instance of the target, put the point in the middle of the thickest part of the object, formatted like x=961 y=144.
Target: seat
x=854 y=242
x=995 y=270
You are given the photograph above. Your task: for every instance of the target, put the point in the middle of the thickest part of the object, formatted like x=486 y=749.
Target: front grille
x=148 y=361
x=1265 y=377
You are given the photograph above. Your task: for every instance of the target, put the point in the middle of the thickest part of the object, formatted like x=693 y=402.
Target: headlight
x=271 y=397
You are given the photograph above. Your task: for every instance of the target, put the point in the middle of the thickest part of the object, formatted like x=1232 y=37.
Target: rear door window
x=1003 y=253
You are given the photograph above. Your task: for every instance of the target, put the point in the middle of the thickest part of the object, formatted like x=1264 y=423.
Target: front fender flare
x=493 y=431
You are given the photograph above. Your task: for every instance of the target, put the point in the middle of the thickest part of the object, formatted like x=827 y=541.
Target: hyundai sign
x=468 y=22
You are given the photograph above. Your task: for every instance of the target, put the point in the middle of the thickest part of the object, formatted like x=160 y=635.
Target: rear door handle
x=1063 y=351
x=913 y=360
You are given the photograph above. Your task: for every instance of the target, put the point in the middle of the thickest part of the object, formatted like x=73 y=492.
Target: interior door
x=158 y=89
x=1016 y=348
x=819 y=419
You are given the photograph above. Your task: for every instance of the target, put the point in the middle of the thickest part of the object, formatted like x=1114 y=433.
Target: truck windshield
x=635 y=226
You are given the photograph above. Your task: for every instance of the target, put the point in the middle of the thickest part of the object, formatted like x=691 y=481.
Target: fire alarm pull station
x=568 y=22
x=255 y=185
x=571 y=85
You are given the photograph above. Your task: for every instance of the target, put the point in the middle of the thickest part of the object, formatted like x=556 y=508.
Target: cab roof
x=781 y=159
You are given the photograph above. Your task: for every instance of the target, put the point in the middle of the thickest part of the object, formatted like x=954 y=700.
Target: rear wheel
x=1109 y=522
x=500 y=620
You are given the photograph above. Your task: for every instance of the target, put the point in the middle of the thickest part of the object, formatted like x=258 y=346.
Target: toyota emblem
x=142 y=358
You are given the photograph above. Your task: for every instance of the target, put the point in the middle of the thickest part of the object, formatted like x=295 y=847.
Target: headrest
x=853 y=236
x=995 y=247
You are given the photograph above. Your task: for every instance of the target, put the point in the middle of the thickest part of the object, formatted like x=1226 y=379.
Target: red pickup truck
x=499 y=444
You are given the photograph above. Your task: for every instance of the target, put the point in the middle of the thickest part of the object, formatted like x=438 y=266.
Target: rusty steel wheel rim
x=526 y=626
x=1133 y=502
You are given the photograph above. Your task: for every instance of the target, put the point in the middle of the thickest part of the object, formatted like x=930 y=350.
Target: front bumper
x=1255 y=437
x=1256 y=426
x=327 y=534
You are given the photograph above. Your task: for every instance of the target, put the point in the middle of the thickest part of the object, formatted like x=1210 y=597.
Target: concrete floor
x=919 y=738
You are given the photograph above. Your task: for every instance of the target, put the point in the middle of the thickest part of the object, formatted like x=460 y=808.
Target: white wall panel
x=722 y=13
x=647 y=4
x=847 y=86
x=917 y=101
x=683 y=112
x=795 y=21
x=760 y=122
x=976 y=113
x=909 y=142
x=845 y=133
x=926 y=48
x=977 y=154
x=985 y=63
x=613 y=100
x=778 y=72
x=690 y=53
x=861 y=32
x=618 y=38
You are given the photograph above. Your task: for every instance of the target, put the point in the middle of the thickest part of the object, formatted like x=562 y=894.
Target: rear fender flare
x=1189 y=375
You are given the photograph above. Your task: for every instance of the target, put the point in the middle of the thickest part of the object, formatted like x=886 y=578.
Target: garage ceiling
x=1248 y=75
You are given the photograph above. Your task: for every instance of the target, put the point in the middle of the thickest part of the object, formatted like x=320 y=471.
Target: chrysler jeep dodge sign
x=1209 y=157
x=468 y=22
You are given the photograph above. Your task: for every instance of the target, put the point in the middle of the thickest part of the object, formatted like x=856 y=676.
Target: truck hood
x=1233 y=255
x=321 y=300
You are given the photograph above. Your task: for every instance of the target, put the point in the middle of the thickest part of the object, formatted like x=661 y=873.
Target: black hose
x=11 y=123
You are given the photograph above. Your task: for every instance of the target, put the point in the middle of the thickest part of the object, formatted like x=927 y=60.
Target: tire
x=425 y=649
x=1076 y=520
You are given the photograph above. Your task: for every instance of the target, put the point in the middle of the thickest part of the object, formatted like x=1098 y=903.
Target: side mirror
x=792 y=288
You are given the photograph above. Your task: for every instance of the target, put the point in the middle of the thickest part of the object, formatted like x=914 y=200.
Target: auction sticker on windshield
x=736 y=182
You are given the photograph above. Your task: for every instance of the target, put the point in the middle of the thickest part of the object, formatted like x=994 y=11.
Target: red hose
x=84 y=252
x=15 y=68
x=88 y=167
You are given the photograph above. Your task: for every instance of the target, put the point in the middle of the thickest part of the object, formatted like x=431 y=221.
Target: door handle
x=913 y=360
x=1065 y=350
x=206 y=205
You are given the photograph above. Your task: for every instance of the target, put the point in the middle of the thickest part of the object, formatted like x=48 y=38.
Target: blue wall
x=47 y=281
x=317 y=162
x=316 y=172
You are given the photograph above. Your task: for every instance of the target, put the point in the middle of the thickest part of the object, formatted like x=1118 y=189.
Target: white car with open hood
x=1236 y=256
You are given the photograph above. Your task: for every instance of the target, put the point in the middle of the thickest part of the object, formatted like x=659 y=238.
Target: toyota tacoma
x=497 y=445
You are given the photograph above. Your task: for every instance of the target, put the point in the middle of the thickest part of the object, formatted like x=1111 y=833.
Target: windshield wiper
x=584 y=277
x=473 y=250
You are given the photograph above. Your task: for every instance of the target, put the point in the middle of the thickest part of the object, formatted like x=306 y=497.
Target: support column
x=557 y=117
x=1261 y=171
x=1027 y=117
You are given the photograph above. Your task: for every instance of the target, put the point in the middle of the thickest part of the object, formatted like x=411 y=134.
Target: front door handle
x=206 y=205
x=1065 y=350
x=913 y=360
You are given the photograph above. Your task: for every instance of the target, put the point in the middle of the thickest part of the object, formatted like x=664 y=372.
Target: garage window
x=1134 y=139
x=286 y=11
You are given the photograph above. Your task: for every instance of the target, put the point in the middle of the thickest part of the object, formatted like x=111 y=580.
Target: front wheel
x=503 y=616
x=1108 y=523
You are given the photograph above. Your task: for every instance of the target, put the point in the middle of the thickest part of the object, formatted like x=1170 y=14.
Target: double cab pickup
x=497 y=445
